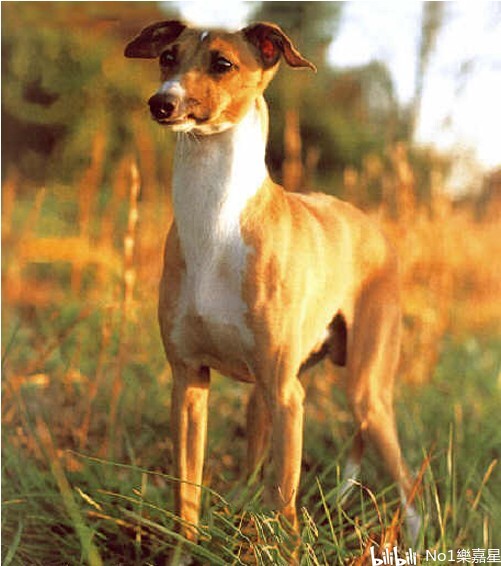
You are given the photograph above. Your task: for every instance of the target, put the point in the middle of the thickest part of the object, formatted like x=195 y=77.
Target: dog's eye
x=168 y=58
x=220 y=64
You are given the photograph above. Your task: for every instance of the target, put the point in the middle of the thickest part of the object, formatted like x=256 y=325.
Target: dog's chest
x=215 y=256
x=211 y=313
x=210 y=194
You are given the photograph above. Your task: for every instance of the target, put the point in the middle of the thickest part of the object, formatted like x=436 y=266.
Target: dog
x=260 y=283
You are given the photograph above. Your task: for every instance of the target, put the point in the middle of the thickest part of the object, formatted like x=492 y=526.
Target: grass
x=75 y=491
x=86 y=453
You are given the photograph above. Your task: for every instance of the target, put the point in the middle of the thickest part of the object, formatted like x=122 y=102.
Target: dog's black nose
x=163 y=106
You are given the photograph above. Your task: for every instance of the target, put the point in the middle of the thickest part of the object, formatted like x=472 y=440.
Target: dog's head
x=210 y=78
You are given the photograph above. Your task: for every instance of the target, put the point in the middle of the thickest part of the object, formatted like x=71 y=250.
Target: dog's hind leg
x=351 y=469
x=258 y=431
x=373 y=354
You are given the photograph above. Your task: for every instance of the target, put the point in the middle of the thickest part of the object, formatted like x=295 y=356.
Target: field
x=86 y=447
x=85 y=435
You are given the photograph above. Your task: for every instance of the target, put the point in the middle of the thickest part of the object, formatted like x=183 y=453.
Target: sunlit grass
x=86 y=395
x=65 y=506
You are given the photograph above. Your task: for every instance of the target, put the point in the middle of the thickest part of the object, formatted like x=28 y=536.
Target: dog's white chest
x=211 y=315
x=211 y=288
x=214 y=178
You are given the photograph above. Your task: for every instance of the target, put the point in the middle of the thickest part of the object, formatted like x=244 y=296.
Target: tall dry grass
x=84 y=373
x=448 y=255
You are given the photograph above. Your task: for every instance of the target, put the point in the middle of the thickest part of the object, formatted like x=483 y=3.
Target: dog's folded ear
x=272 y=42
x=149 y=43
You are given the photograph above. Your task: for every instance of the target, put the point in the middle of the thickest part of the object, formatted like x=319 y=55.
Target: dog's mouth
x=193 y=124
x=181 y=123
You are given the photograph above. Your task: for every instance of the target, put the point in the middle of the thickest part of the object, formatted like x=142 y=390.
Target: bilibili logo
x=392 y=558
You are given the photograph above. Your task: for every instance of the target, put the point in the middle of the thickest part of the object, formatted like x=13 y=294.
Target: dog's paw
x=413 y=523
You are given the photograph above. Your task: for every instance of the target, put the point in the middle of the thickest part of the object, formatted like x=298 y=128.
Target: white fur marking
x=204 y=35
x=172 y=86
x=350 y=474
x=412 y=518
x=214 y=178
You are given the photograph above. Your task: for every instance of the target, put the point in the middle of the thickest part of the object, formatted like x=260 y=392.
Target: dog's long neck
x=214 y=178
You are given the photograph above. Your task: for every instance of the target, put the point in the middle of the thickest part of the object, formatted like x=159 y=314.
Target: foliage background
x=85 y=208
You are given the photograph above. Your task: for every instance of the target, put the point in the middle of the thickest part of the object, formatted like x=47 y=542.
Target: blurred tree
x=312 y=25
x=67 y=90
x=361 y=115
x=70 y=98
x=431 y=23
x=343 y=115
x=348 y=120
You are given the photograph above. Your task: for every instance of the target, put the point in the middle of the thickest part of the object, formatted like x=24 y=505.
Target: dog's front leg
x=287 y=397
x=189 y=432
x=288 y=447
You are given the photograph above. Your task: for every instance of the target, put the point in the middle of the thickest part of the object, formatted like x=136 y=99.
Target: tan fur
x=309 y=260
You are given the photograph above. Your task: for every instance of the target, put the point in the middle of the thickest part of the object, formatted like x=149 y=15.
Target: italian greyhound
x=260 y=283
